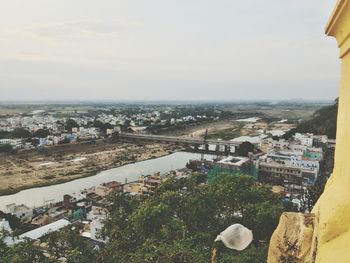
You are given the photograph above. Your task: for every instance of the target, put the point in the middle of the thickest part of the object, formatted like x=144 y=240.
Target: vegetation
x=15 y=223
x=5 y=148
x=102 y=126
x=226 y=134
x=23 y=252
x=67 y=243
x=177 y=224
x=41 y=133
x=180 y=222
x=323 y=122
x=16 y=133
x=70 y=123
x=245 y=148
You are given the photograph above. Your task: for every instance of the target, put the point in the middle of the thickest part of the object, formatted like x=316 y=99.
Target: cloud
x=82 y=28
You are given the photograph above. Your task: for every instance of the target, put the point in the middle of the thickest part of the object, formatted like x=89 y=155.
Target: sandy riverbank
x=62 y=164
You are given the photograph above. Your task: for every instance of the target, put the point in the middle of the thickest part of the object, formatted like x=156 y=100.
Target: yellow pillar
x=332 y=231
x=324 y=235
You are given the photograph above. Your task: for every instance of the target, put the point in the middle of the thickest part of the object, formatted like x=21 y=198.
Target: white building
x=306 y=139
x=44 y=230
x=308 y=164
x=22 y=212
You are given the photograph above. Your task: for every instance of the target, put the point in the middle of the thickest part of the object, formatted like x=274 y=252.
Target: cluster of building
x=290 y=166
x=85 y=129
x=85 y=210
x=293 y=164
x=149 y=184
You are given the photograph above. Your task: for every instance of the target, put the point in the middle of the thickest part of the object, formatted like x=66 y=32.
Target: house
x=233 y=163
x=306 y=139
x=134 y=188
x=109 y=131
x=44 y=230
x=103 y=191
x=152 y=182
x=96 y=212
x=22 y=212
x=279 y=174
x=113 y=185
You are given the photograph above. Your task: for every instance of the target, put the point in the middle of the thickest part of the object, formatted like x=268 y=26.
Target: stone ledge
x=291 y=241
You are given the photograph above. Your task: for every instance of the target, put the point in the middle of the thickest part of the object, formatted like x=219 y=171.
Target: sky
x=167 y=50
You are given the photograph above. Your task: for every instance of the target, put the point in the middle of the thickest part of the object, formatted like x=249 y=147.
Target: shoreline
x=8 y=192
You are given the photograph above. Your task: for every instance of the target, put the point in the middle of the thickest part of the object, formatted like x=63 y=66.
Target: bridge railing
x=178 y=139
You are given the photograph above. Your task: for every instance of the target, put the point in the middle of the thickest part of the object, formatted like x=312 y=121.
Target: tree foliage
x=41 y=133
x=23 y=252
x=67 y=244
x=5 y=148
x=70 y=123
x=245 y=148
x=20 y=133
x=179 y=224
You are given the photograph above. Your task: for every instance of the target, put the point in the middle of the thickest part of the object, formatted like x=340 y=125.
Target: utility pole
x=204 y=143
x=204 y=147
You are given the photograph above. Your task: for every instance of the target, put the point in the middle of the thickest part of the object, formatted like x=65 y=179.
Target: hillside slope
x=323 y=122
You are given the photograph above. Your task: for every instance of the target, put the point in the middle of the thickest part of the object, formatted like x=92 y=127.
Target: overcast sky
x=166 y=50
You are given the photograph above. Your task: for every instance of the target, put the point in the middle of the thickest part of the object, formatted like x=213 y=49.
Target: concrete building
x=22 y=212
x=152 y=182
x=279 y=174
x=44 y=230
x=294 y=164
x=306 y=139
x=233 y=162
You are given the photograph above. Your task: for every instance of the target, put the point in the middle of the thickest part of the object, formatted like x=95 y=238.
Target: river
x=37 y=196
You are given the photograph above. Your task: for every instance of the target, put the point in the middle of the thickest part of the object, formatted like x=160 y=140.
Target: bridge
x=197 y=144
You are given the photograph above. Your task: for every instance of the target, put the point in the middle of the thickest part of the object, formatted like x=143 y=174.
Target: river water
x=37 y=196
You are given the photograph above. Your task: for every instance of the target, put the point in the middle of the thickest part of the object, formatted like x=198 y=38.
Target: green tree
x=70 y=123
x=3 y=247
x=5 y=148
x=24 y=252
x=180 y=222
x=5 y=135
x=20 y=133
x=244 y=148
x=41 y=133
x=67 y=243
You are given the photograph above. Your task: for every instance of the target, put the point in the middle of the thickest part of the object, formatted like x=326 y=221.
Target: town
x=34 y=126
x=289 y=167
x=81 y=159
x=174 y=131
